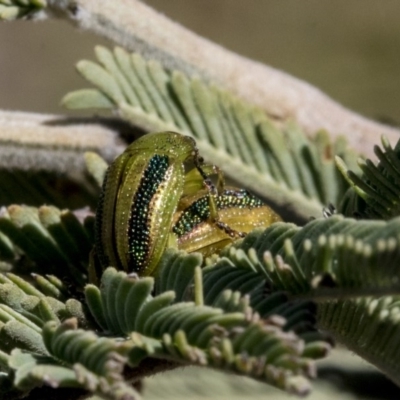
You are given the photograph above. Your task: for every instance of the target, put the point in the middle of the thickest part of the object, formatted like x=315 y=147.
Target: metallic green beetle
x=140 y=194
x=238 y=209
x=144 y=191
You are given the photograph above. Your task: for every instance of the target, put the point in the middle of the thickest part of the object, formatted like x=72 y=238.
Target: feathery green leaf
x=15 y=9
x=279 y=164
x=54 y=240
x=232 y=338
x=369 y=326
x=333 y=257
x=376 y=194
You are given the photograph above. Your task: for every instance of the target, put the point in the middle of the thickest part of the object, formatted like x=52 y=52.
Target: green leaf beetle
x=237 y=208
x=147 y=192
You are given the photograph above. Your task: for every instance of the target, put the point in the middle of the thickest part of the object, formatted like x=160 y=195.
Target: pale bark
x=137 y=27
x=31 y=141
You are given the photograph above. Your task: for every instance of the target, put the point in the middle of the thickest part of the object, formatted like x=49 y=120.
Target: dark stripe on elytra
x=139 y=230
x=199 y=210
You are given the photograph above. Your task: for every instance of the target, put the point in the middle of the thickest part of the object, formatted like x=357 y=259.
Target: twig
x=31 y=141
x=137 y=27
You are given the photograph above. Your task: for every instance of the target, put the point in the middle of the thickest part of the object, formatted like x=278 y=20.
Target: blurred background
x=348 y=48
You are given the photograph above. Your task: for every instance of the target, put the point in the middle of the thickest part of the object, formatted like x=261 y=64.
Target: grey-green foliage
x=35 y=188
x=85 y=361
x=24 y=311
x=369 y=326
x=332 y=257
x=14 y=9
x=256 y=301
x=376 y=193
x=270 y=274
x=36 y=347
x=201 y=383
x=239 y=286
x=47 y=327
x=50 y=239
x=236 y=339
x=326 y=260
x=279 y=164
x=329 y=260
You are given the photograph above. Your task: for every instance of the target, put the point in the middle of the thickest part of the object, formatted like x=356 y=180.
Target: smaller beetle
x=237 y=209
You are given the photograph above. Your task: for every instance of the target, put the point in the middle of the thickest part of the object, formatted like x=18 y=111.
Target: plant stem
x=31 y=141
x=137 y=27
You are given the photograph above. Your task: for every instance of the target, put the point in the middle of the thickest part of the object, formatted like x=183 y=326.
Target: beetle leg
x=214 y=219
x=194 y=179
x=213 y=192
x=220 y=180
x=229 y=231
